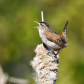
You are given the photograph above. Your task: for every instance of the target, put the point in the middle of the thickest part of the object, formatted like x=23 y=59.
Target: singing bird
x=51 y=40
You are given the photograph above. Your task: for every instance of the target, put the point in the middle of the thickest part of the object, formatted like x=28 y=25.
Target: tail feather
x=64 y=33
x=65 y=28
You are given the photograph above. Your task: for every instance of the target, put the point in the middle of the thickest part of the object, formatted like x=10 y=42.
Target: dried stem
x=17 y=80
x=42 y=16
x=4 y=78
x=45 y=66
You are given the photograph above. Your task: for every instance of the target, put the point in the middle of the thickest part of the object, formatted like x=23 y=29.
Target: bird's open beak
x=37 y=23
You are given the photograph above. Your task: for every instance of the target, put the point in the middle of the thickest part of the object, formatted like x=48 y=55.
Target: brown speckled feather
x=51 y=36
x=64 y=33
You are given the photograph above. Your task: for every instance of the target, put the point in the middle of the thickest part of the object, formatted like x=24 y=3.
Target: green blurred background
x=18 y=38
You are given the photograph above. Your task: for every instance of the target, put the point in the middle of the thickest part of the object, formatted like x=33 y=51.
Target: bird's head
x=42 y=25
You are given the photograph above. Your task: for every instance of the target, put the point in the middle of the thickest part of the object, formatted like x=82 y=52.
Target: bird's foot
x=55 y=53
x=49 y=53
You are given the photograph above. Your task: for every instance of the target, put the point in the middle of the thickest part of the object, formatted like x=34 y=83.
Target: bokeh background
x=18 y=38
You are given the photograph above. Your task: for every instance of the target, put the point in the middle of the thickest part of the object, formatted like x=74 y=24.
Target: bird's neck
x=41 y=31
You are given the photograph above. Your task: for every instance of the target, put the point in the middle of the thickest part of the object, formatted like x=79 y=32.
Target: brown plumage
x=51 y=39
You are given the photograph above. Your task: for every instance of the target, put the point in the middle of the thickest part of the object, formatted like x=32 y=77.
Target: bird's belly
x=50 y=44
x=53 y=46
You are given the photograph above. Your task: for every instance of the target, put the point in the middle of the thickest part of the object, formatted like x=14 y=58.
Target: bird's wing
x=54 y=37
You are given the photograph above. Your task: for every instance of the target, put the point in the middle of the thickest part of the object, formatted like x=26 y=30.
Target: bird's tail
x=64 y=33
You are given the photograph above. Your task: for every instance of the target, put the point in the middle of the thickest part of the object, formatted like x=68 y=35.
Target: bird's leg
x=52 y=52
x=49 y=52
x=57 y=52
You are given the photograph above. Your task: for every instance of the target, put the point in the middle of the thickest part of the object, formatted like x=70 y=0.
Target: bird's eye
x=41 y=24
